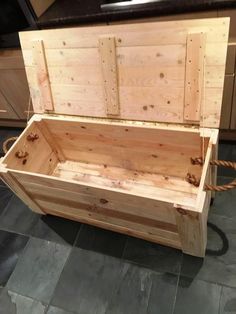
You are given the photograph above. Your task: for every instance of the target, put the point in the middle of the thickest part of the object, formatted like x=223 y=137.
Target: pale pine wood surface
x=147 y=55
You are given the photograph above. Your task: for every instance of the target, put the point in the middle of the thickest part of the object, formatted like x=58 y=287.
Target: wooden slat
x=233 y=113
x=81 y=210
x=50 y=140
x=41 y=158
x=194 y=78
x=6 y=111
x=13 y=83
x=19 y=190
x=190 y=229
x=158 y=211
x=111 y=176
x=42 y=74
x=73 y=214
x=136 y=198
x=137 y=34
x=227 y=102
x=107 y=50
x=11 y=59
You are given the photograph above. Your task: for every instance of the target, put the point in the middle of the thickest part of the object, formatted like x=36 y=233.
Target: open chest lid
x=169 y=72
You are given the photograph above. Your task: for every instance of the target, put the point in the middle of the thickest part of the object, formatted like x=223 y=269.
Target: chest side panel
x=164 y=71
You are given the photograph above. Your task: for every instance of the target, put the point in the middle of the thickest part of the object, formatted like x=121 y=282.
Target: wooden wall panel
x=13 y=84
x=233 y=112
x=227 y=102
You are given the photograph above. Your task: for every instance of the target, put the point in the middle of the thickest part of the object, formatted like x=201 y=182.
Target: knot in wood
x=191 y=178
x=196 y=161
x=103 y=201
x=32 y=137
x=20 y=154
x=181 y=211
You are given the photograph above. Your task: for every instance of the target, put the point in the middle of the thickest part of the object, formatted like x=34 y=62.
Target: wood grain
x=42 y=74
x=147 y=55
x=194 y=77
x=107 y=50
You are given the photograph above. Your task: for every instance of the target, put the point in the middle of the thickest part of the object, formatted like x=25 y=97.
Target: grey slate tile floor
x=56 y=266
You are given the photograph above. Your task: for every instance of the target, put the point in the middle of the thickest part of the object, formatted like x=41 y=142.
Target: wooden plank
x=231 y=59
x=194 y=76
x=108 y=176
x=42 y=74
x=42 y=126
x=227 y=102
x=158 y=227
x=136 y=34
x=107 y=50
x=233 y=113
x=12 y=123
x=136 y=198
x=191 y=232
x=40 y=158
x=159 y=211
x=13 y=83
x=6 y=111
x=19 y=190
x=112 y=226
x=206 y=171
x=11 y=59
x=129 y=56
x=83 y=211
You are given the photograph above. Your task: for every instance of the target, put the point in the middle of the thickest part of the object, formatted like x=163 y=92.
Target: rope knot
x=196 y=161
x=191 y=178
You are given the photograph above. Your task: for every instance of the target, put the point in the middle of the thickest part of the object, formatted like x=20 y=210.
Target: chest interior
x=143 y=160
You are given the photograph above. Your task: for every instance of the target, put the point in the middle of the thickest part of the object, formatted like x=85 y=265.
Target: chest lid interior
x=170 y=72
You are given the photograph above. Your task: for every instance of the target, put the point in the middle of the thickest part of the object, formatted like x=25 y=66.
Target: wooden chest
x=120 y=113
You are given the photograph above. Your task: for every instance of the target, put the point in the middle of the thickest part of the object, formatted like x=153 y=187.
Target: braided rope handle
x=224 y=187
x=5 y=143
x=208 y=187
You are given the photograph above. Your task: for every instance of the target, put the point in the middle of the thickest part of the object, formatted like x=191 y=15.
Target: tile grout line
x=77 y=236
x=5 y=208
x=20 y=257
x=26 y=296
x=221 y=292
x=177 y=286
x=125 y=246
x=66 y=262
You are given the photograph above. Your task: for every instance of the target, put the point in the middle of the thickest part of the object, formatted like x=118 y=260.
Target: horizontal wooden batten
x=108 y=211
x=135 y=195
x=162 y=212
x=141 y=34
x=83 y=211
x=112 y=226
x=128 y=56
